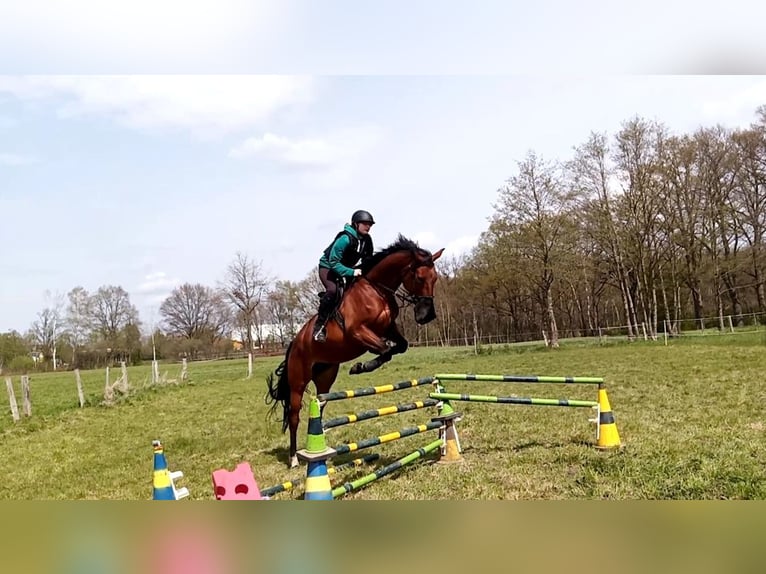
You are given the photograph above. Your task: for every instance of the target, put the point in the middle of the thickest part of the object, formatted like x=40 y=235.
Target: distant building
x=266 y=333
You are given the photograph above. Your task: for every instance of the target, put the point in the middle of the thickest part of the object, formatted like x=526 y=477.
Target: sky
x=125 y=166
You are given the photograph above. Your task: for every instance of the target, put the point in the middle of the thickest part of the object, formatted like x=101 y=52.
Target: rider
x=337 y=264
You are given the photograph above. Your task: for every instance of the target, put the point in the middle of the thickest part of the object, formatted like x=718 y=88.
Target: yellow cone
x=608 y=437
x=450 y=451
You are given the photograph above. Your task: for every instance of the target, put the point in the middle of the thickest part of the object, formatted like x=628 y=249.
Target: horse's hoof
x=294 y=462
x=356 y=369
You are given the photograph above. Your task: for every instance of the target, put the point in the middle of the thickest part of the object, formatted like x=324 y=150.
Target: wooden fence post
x=80 y=394
x=12 y=399
x=108 y=393
x=124 y=379
x=27 y=398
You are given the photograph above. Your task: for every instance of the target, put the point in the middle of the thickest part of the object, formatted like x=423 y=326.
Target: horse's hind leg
x=301 y=375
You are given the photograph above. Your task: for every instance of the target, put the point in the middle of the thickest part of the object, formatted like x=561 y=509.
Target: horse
x=365 y=320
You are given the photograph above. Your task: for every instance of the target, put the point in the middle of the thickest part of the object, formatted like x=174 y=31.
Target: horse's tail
x=280 y=393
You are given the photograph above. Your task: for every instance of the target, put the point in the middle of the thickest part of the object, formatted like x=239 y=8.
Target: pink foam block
x=238 y=484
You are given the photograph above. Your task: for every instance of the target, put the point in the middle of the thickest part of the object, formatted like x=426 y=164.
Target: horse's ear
x=438 y=254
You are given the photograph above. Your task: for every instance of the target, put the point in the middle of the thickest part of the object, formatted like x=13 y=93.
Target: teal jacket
x=345 y=251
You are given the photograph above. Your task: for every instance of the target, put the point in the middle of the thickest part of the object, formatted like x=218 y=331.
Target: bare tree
x=42 y=333
x=195 y=312
x=684 y=210
x=533 y=205
x=77 y=319
x=308 y=301
x=593 y=175
x=283 y=309
x=111 y=311
x=244 y=286
x=48 y=327
x=717 y=171
x=639 y=145
x=749 y=198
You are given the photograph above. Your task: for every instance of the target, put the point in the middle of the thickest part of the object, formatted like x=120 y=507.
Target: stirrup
x=320 y=336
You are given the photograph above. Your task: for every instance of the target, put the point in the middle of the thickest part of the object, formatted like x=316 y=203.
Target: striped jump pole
x=518 y=379
x=606 y=433
x=290 y=485
x=392 y=436
x=513 y=400
x=368 y=391
x=374 y=413
x=380 y=473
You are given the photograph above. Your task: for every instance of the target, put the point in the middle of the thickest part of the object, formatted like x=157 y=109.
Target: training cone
x=608 y=437
x=450 y=451
x=445 y=408
x=316 y=453
x=163 y=485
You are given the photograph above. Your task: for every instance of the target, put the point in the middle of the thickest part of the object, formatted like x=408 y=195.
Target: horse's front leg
x=296 y=402
x=400 y=346
x=400 y=343
x=373 y=343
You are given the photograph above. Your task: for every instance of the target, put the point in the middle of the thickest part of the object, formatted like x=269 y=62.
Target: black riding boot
x=326 y=305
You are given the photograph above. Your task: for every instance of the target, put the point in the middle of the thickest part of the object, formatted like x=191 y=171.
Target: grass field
x=690 y=416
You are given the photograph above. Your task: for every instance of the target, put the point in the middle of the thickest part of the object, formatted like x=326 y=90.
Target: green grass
x=690 y=416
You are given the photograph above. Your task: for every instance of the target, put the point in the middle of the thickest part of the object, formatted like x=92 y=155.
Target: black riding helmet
x=362 y=216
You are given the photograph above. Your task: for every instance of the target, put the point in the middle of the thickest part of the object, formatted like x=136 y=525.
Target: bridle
x=401 y=293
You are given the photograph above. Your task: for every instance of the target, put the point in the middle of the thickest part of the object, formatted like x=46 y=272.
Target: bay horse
x=368 y=312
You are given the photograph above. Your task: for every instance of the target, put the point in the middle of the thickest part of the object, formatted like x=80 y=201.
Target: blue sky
x=149 y=181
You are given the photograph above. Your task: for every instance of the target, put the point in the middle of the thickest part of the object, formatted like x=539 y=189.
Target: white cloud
x=309 y=152
x=461 y=245
x=737 y=105
x=13 y=159
x=157 y=284
x=206 y=105
x=425 y=238
x=453 y=248
x=338 y=149
x=173 y=36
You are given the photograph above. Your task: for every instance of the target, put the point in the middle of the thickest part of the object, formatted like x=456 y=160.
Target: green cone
x=315 y=441
x=446 y=408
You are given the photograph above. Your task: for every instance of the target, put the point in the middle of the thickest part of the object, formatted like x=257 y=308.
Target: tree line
x=642 y=229
x=645 y=229
x=247 y=309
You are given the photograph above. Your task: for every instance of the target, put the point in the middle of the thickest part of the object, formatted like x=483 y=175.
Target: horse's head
x=404 y=263
x=419 y=280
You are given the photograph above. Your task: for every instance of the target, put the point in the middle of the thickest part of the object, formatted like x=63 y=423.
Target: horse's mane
x=402 y=243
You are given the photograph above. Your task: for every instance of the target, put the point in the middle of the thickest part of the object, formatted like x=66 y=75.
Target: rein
x=401 y=293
